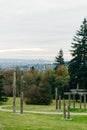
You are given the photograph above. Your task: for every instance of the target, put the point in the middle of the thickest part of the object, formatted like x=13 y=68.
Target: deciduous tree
x=62 y=79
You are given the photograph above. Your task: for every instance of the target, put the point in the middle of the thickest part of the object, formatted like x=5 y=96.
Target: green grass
x=30 y=107
x=27 y=121
x=47 y=108
x=9 y=121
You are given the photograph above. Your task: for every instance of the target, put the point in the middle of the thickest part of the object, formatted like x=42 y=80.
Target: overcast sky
x=38 y=29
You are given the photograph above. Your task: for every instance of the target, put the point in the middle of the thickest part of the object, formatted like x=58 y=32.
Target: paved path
x=39 y=112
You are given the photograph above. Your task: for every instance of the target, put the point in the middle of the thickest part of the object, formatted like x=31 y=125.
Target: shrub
x=38 y=95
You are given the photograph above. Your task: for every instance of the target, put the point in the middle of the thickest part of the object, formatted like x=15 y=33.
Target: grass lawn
x=10 y=121
x=48 y=108
x=30 y=107
x=28 y=121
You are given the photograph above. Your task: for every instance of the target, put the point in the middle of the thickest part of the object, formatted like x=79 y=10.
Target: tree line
x=38 y=87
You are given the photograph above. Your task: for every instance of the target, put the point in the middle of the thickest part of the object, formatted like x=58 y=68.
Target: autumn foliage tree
x=38 y=90
x=62 y=79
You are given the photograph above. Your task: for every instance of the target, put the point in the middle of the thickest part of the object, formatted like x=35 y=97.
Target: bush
x=38 y=95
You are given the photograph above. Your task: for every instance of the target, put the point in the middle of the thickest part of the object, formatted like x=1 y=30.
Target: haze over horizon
x=38 y=29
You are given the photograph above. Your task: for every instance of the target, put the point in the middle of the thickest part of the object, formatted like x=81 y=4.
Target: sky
x=38 y=29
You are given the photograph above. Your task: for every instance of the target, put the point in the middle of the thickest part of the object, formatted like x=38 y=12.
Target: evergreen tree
x=59 y=60
x=3 y=97
x=78 y=65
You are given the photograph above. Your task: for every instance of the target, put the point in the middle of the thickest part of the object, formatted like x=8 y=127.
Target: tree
x=50 y=76
x=8 y=81
x=38 y=89
x=62 y=79
x=32 y=77
x=78 y=65
x=3 y=97
x=59 y=60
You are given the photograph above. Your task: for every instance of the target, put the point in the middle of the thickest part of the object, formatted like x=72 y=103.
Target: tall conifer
x=59 y=60
x=78 y=65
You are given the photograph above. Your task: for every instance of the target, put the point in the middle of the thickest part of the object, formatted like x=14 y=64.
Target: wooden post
x=77 y=86
x=56 y=97
x=21 y=103
x=80 y=101
x=74 y=101
x=64 y=108
x=14 y=91
x=69 y=98
x=68 y=116
x=59 y=101
x=21 y=94
x=84 y=101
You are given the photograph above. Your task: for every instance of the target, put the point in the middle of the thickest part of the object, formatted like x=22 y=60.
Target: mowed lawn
x=29 y=121
x=10 y=121
x=45 y=108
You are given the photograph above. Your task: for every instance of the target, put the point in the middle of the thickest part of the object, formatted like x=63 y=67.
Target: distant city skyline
x=38 y=29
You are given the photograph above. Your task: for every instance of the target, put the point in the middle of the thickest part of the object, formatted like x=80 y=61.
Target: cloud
x=28 y=28
x=19 y=50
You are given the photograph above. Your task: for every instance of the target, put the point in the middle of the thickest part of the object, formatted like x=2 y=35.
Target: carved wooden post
x=21 y=94
x=56 y=97
x=68 y=116
x=14 y=91
x=80 y=101
x=64 y=108
x=84 y=101
x=77 y=86
x=74 y=101
x=69 y=98
x=59 y=101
